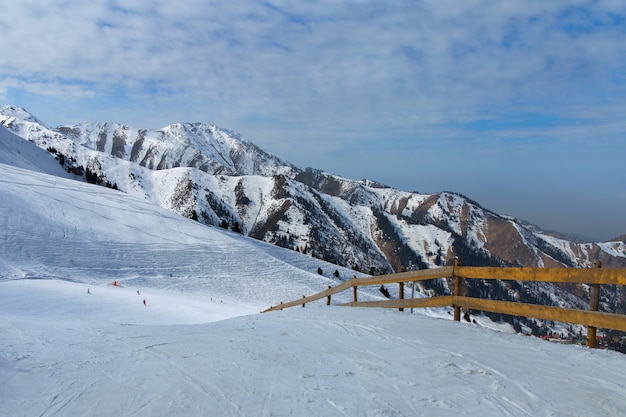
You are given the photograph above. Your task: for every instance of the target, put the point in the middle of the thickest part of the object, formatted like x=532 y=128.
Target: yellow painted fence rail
x=592 y=318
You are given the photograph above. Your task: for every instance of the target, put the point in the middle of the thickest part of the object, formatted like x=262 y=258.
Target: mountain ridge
x=217 y=151
x=211 y=175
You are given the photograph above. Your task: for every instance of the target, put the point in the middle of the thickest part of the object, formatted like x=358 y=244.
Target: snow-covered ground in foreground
x=66 y=352
x=72 y=344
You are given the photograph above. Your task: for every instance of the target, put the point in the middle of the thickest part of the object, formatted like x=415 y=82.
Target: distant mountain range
x=214 y=176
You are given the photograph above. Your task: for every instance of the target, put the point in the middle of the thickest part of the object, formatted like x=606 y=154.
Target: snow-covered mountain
x=211 y=175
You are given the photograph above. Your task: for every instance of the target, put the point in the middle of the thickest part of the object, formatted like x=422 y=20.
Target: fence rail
x=592 y=318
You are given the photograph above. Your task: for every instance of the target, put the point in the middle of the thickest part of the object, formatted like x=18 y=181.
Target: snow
x=60 y=228
x=66 y=352
x=614 y=248
x=17 y=152
x=73 y=344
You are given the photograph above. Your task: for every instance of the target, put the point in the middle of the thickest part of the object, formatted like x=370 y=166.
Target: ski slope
x=66 y=352
x=71 y=343
x=60 y=228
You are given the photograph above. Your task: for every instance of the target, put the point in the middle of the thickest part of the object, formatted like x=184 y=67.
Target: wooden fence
x=592 y=318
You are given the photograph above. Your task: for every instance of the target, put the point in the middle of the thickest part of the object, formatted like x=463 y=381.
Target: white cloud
x=365 y=88
x=342 y=62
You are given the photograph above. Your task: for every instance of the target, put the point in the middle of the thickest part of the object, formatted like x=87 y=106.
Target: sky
x=518 y=105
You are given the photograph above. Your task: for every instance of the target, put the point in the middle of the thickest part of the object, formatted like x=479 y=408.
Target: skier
x=88 y=291
x=144 y=302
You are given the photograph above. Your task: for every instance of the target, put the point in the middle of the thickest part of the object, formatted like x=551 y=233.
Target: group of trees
x=72 y=167
x=336 y=274
x=93 y=178
x=234 y=227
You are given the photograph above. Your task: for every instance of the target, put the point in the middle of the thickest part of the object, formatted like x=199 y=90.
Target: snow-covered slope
x=60 y=228
x=17 y=152
x=66 y=352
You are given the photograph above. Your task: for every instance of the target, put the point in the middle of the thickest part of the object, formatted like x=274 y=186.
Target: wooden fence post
x=594 y=305
x=354 y=291
x=328 y=298
x=401 y=296
x=458 y=282
x=303 y=303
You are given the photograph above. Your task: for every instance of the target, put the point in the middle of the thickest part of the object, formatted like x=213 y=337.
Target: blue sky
x=521 y=106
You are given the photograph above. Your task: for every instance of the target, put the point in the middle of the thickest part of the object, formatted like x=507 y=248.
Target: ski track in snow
x=52 y=221
x=96 y=355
